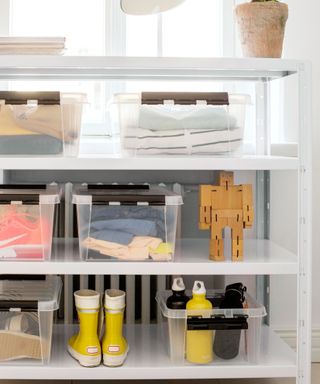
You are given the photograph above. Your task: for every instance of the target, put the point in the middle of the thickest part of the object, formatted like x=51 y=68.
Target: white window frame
x=115 y=41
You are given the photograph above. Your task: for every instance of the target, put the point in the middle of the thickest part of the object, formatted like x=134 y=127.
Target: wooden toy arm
x=247 y=206
x=205 y=206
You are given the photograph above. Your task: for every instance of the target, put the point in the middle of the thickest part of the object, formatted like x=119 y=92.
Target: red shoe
x=22 y=238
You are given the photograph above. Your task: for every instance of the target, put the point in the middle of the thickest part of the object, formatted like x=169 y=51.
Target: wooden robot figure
x=226 y=205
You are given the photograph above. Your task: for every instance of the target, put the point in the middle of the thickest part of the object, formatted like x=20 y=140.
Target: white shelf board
x=262 y=257
x=39 y=67
x=147 y=359
x=118 y=162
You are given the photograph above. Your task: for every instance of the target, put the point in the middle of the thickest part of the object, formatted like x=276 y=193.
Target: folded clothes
x=139 y=249
x=150 y=218
x=148 y=142
x=30 y=145
x=44 y=119
x=177 y=117
x=37 y=119
x=122 y=230
x=118 y=237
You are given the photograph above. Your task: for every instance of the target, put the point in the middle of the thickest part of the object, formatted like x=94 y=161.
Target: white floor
x=315 y=380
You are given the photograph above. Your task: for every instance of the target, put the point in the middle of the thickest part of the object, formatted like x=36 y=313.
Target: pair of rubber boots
x=85 y=346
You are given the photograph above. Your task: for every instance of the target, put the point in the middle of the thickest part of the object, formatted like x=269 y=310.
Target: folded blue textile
x=136 y=227
x=118 y=237
x=153 y=214
x=122 y=231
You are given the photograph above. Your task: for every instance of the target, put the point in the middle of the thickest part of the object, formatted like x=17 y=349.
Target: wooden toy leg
x=216 y=249
x=216 y=242
x=237 y=241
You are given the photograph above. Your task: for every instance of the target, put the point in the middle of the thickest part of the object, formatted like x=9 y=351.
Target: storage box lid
x=29 y=193
x=116 y=194
x=41 y=98
x=254 y=310
x=185 y=98
x=30 y=295
x=21 y=98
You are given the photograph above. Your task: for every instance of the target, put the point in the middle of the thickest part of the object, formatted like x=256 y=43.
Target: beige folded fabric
x=19 y=345
x=138 y=249
x=27 y=120
x=44 y=119
x=9 y=125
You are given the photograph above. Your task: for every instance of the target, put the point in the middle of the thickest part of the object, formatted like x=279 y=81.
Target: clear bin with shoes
x=40 y=123
x=181 y=123
x=235 y=332
x=26 y=221
x=26 y=319
x=126 y=222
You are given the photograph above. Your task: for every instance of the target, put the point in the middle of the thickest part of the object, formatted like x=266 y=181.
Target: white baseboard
x=290 y=335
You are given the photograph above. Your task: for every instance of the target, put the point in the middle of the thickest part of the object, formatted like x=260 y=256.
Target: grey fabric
x=30 y=145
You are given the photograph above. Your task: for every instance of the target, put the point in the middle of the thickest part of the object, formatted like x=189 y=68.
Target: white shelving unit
x=262 y=257
x=114 y=162
x=148 y=360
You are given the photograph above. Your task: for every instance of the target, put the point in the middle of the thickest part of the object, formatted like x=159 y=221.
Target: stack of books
x=32 y=45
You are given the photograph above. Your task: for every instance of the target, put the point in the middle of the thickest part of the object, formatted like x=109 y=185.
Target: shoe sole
x=114 y=361
x=84 y=360
x=17 y=345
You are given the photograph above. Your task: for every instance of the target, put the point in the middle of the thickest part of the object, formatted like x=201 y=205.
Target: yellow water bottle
x=199 y=344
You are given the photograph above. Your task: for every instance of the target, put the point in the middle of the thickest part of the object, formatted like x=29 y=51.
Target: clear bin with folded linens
x=126 y=222
x=235 y=332
x=181 y=123
x=26 y=318
x=27 y=215
x=40 y=123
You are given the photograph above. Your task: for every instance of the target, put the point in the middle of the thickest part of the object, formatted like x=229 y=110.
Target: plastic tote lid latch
x=185 y=98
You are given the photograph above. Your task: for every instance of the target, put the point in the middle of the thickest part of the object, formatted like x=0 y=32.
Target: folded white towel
x=176 y=117
x=187 y=141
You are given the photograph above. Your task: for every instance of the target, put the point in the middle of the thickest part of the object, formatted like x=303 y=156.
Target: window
x=103 y=29
x=194 y=29
x=204 y=29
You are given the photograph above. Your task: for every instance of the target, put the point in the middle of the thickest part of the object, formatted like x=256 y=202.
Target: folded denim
x=154 y=214
x=118 y=237
x=122 y=231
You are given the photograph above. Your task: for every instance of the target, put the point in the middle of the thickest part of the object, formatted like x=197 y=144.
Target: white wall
x=303 y=42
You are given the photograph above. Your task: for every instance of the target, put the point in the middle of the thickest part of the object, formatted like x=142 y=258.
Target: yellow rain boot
x=85 y=346
x=114 y=345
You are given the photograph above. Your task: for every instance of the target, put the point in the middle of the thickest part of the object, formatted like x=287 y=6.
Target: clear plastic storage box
x=26 y=221
x=126 y=222
x=40 y=123
x=26 y=319
x=181 y=123
x=236 y=332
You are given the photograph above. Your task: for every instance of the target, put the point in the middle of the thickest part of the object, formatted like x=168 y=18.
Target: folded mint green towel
x=177 y=117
